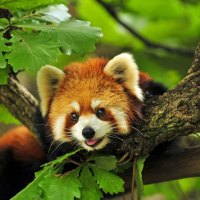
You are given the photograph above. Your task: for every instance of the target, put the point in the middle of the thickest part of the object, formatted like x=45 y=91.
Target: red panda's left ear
x=124 y=69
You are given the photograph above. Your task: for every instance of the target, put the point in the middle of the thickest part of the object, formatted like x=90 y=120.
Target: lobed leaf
x=90 y=189
x=46 y=182
x=71 y=35
x=63 y=187
x=30 y=51
x=3 y=49
x=108 y=182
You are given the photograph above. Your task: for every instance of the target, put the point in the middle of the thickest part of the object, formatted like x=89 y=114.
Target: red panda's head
x=89 y=102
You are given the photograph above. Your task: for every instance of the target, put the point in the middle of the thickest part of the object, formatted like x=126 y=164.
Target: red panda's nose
x=88 y=132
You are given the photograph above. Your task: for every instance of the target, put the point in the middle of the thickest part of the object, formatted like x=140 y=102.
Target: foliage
x=174 y=23
x=37 y=37
x=87 y=181
x=138 y=177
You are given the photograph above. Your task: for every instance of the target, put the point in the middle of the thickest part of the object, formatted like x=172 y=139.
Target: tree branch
x=23 y=105
x=181 y=163
x=167 y=166
x=147 y=42
x=166 y=117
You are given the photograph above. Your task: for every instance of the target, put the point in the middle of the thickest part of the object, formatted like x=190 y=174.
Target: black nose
x=88 y=132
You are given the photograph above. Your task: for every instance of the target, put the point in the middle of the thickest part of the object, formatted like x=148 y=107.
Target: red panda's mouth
x=93 y=142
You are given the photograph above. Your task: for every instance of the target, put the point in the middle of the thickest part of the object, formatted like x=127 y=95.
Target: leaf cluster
x=88 y=181
x=35 y=35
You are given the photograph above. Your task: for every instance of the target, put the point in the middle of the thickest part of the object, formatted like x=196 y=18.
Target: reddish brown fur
x=144 y=79
x=23 y=145
x=95 y=84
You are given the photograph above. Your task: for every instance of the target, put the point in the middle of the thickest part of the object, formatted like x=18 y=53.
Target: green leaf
x=107 y=162
x=30 y=51
x=122 y=167
x=33 y=191
x=61 y=159
x=90 y=189
x=138 y=177
x=109 y=182
x=4 y=23
x=73 y=36
x=5 y=116
x=54 y=13
x=3 y=49
x=36 y=189
x=3 y=76
x=63 y=187
x=27 y=5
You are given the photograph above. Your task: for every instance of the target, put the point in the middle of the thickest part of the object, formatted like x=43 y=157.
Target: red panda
x=86 y=104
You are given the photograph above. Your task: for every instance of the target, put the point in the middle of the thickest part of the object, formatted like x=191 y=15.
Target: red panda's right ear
x=124 y=70
x=48 y=79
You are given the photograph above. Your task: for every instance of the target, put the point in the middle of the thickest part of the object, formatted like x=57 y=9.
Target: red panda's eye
x=100 y=112
x=74 y=116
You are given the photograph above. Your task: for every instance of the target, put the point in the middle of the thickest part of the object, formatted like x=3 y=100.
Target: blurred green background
x=171 y=23
x=174 y=23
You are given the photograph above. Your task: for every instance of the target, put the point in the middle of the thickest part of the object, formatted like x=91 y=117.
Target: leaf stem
x=74 y=162
x=133 y=178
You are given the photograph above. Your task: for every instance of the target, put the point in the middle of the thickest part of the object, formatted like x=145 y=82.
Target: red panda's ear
x=124 y=69
x=48 y=79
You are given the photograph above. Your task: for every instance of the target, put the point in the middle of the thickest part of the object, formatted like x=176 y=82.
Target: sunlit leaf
x=27 y=5
x=90 y=189
x=71 y=35
x=109 y=182
x=54 y=13
x=31 y=50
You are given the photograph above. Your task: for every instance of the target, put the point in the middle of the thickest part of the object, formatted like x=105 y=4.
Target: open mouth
x=93 y=142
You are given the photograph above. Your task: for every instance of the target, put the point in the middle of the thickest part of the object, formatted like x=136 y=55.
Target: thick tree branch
x=167 y=166
x=181 y=163
x=21 y=103
x=166 y=117
x=147 y=42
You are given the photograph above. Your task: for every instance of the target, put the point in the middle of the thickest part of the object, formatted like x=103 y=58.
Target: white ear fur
x=124 y=69
x=48 y=79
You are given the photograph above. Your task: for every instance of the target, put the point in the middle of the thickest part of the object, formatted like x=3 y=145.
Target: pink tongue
x=91 y=142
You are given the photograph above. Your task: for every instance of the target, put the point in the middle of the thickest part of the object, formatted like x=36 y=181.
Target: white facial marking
x=76 y=106
x=95 y=103
x=58 y=128
x=101 y=128
x=121 y=119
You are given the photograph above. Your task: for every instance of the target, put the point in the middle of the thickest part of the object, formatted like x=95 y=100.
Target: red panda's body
x=85 y=105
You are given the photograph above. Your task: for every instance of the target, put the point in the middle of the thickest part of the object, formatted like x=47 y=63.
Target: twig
x=147 y=42
x=133 y=179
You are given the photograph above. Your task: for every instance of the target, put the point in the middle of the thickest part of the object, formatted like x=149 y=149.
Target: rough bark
x=173 y=114
x=21 y=103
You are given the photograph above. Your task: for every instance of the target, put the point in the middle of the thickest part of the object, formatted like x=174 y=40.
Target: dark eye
x=74 y=116
x=100 y=112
